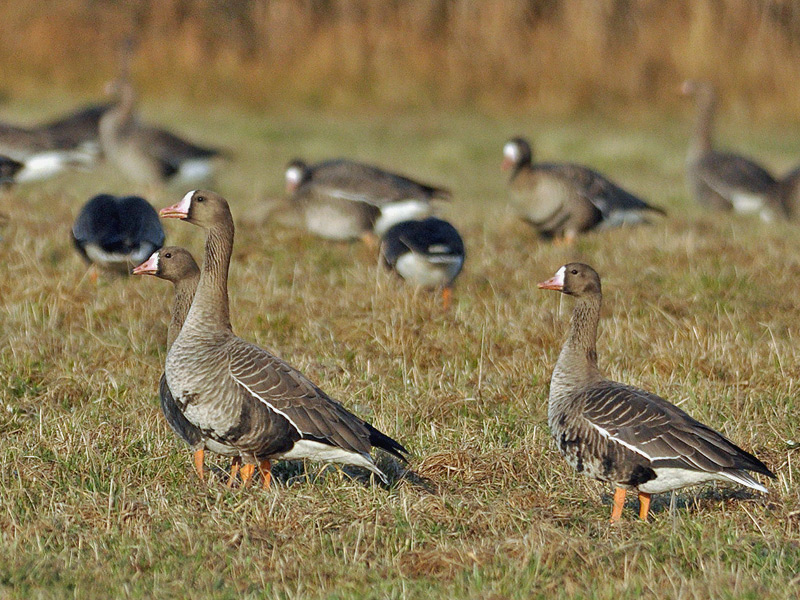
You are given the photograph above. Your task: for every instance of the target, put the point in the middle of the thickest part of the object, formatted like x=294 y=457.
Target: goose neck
x=184 y=293
x=577 y=362
x=210 y=305
x=701 y=142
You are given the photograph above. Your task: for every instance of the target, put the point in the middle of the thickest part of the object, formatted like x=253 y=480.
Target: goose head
x=172 y=263
x=199 y=207
x=516 y=153
x=574 y=279
x=297 y=172
x=703 y=91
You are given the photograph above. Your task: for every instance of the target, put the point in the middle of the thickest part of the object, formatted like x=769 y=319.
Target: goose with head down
x=621 y=434
x=562 y=200
x=177 y=265
x=343 y=199
x=242 y=395
x=427 y=253
x=117 y=232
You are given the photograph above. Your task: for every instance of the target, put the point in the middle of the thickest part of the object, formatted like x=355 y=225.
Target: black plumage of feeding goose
x=343 y=199
x=117 y=232
x=562 y=200
x=621 y=434
x=428 y=253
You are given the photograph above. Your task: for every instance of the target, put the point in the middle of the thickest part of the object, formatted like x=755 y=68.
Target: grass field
x=98 y=498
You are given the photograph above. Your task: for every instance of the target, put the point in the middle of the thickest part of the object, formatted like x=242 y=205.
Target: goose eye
x=574 y=271
x=168 y=255
x=200 y=199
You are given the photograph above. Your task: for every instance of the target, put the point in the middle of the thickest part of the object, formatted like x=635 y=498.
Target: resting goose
x=177 y=265
x=149 y=155
x=117 y=232
x=344 y=200
x=619 y=433
x=723 y=180
x=561 y=200
x=428 y=253
x=240 y=394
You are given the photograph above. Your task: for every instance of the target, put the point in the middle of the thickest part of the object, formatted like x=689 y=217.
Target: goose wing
x=360 y=182
x=661 y=432
x=289 y=393
x=729 y=174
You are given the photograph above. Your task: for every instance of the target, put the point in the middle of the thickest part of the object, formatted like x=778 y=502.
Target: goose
x=39 y=153
x=343 y=200
x=242 y=395
x=427 y=253
x=78 y=129
x=149 y=155
x=561 y=200
x=117 y=232
x=625 y=435
x=723 y=180
x=177 y=265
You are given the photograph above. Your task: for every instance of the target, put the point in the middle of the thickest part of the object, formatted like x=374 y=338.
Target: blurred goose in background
x=561 y=200
x=723 y=180
x=149 y=155
x=427 y=253
x=117 y=232
x=621 y=434
x=178 y=266
x=343 y=200
x=240 y=394
x=40 y=153
x=78 y=130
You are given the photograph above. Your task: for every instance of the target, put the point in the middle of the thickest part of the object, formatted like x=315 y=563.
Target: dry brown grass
x=552 y=56
x=98 y=498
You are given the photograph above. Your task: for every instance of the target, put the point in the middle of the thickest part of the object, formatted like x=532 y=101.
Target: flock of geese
x=222 y=394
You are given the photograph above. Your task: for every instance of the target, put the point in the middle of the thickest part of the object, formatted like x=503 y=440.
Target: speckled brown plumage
x=622 y=434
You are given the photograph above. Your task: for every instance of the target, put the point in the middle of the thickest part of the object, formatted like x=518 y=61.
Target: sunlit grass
x=98 y=498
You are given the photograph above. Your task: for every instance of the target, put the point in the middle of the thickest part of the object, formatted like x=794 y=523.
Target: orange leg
x=236 y=463
x=371 y=240
x=247 y=474
x=447 y=297
x=94 y=273
x=619 y=502
x=265 y=468
x=199 y=461
x=644 y=505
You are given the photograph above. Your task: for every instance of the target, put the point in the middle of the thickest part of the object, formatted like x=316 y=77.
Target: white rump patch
x=293 y=177
x=428 y=272
x=317 y=451
x=397 y=212
x=195 y=170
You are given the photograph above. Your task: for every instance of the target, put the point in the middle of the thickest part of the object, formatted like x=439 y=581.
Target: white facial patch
x=511 y=152
x=293 y=176
x=186 y=202
x=558 y=278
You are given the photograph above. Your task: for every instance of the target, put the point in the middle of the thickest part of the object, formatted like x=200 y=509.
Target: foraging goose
x=117 y=232
x=241 y=394
x=149 y=155
x=177 y=265
x=561 y=200
x=723 y=180
x=343 y=199
x=619 y=433
x=427 y=253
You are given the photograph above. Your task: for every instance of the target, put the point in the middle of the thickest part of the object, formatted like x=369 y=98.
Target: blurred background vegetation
x=549 y=56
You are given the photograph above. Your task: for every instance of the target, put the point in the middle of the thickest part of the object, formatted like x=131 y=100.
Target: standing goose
x=117 y=232
x=427 y=253
x=241 y=394
x=177 y=265
x=344 y=200
x=723 y=180
x=561 y=200
x=149 y=155
x=619 y=433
